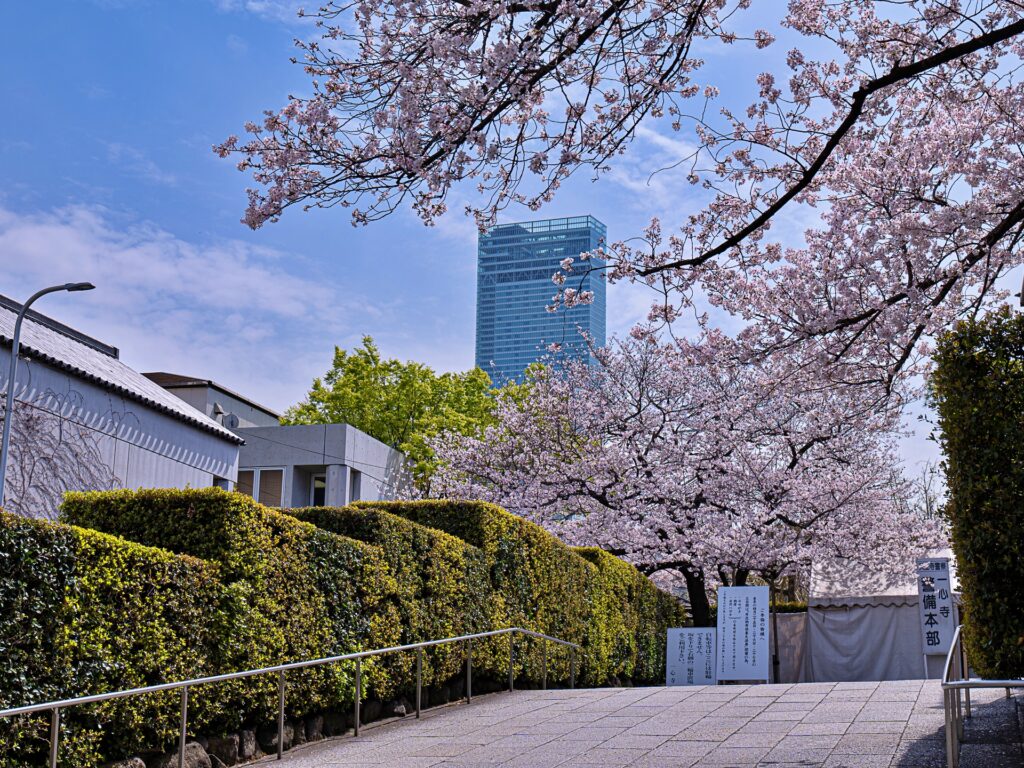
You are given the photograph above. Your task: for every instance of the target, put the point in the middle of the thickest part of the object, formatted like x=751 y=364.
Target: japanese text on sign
x=690 y=656
x=935 y=599
x=743 y=633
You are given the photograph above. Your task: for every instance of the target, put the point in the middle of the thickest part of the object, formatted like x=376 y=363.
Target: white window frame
x=312 y=487
x=256 y=473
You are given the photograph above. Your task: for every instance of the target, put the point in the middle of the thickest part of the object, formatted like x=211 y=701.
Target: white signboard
x=743 y=633
x=690 y=656
x=935 y=601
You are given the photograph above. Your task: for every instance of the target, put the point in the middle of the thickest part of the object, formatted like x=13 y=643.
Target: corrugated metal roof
x=61 y=350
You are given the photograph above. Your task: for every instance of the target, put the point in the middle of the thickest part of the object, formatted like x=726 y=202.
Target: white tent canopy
x=864 y=625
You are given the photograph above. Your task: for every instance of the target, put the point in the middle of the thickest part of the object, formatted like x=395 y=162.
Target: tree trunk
x=700 y=608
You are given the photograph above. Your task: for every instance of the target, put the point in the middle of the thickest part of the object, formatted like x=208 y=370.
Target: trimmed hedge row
x=299 y=592
x=443 y=585
x=583 y=595
x=83 y=612
x=236 y=585
x=978 y=390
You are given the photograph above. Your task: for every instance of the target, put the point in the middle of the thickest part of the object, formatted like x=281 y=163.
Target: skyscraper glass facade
x=514 y=269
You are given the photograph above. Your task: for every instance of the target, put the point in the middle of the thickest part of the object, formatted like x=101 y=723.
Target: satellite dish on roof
x=230 y=421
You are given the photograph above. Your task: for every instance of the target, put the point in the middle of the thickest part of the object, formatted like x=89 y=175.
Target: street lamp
x=15 y=347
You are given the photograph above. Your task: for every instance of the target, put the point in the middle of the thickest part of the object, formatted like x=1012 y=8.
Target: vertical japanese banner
x=743 y=633
x=690 y=656
x=935 y=601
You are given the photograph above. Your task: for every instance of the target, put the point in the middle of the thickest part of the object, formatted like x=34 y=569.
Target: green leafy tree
x=403 y=404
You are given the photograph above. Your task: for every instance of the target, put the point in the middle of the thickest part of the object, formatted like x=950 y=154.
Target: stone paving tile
x=868 y=744
x=843 y=725
x=920 y=754
x=819 y=729
x=858 y=761
x=814 y=741
x=753 y=740
x=779 y=756
x=733 y=756
x=877 y=726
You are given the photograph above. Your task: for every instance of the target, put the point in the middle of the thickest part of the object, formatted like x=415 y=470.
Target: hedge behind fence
x=583 y=595
x=235 y=585
x=83 y=612
x=978 y=390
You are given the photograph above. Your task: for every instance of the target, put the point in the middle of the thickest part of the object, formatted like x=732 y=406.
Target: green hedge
x=235 y=585
x=600 y=602
x=442 y=583
x=300 y=592
x=626 y=637
x=83 y=612
x=978 y=390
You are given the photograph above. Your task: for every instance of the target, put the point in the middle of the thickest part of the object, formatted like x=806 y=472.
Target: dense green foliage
x=602 y=603
x=403 y=404
x=443 y=584
x=978 y=391
x=299 y=592
x=82 y=612
x=235 y=585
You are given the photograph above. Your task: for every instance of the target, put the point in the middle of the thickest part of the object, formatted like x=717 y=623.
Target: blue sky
x=112 y=107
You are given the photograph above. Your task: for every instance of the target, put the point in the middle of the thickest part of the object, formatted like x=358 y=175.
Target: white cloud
x=137 y=163
x=274 y=10
x=227 y=309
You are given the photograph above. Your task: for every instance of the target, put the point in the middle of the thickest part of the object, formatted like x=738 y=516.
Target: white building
x=299 y=465
x=318 y=465
x=84 y=420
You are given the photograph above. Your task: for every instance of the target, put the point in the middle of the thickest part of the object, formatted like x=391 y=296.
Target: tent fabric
x=860 y=643
x=792 y=646
x=864 y=624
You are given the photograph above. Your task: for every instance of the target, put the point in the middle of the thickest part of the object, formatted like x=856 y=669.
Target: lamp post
x=15 y=347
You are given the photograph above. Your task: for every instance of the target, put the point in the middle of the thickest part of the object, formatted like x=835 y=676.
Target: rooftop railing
x=55 y=707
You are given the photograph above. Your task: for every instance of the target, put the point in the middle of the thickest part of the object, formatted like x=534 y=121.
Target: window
x=246 y=481
x=318 y=491
x=265 y=485
x=271 y=488
x=355 y=482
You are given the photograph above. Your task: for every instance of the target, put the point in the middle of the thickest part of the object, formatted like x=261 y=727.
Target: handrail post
x=184 y=726
x=572 y=666
x=54 y=736
x=511 y=660
x=359 y=693
x=469 y=670
x=544 y=661
x=419 y=679
x=280 y=715
x=957 y=710
x=966 y=673
x=947 y=706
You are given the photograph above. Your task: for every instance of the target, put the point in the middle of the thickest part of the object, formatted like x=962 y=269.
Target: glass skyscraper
x=514 y=269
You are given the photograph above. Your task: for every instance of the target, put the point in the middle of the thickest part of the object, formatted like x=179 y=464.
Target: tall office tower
x=514 y=288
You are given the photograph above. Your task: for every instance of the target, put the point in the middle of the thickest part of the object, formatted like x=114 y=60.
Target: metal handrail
x=956 y=682
x=55 y=707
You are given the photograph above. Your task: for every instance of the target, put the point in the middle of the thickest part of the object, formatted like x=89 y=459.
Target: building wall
x=204 y=398
x=142 y=447
x=514 y=269
x=350 y=460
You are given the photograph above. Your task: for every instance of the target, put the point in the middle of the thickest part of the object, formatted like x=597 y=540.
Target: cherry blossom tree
x=892 y=126
x=691 y=457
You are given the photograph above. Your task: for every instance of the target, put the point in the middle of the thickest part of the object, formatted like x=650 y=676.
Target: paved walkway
x=835 y=725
